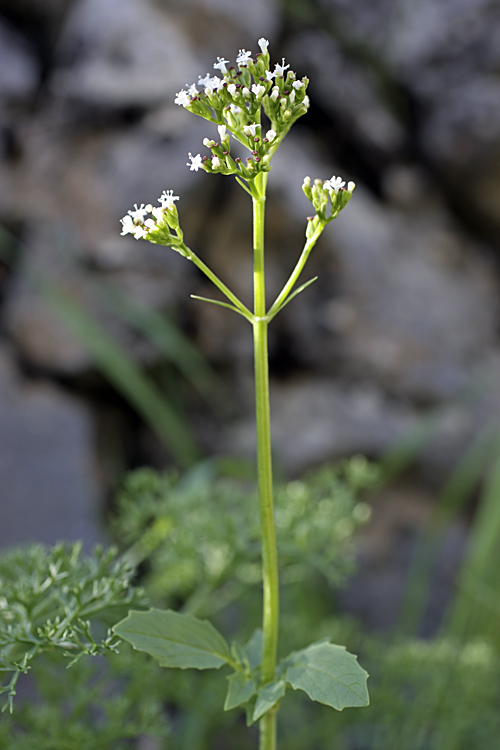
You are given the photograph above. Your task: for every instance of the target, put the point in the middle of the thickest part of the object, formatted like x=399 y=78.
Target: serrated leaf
x=328 y=674
x=267 y=697
x=239 y=690
x=174 y=639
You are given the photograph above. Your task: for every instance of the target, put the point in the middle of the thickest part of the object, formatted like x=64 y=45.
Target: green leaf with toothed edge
x=175 y=640
x=328 y=674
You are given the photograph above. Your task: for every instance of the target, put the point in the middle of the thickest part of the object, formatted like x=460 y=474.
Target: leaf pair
x=327 y=673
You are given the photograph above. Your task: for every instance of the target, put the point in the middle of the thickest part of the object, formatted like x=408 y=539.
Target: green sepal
x=267 y=697
x=328 y=674
x=239 y=690
x=175 y=640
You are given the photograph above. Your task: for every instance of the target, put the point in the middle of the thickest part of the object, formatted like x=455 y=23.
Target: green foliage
x=201 y=534
x=55 y=599
x=96 y=705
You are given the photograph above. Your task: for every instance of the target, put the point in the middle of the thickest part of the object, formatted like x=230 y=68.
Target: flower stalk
x=235 y=104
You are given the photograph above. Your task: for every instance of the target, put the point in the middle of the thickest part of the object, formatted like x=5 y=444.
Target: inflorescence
x=234 y=103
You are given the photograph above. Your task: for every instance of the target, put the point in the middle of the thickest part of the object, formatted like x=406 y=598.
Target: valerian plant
x=239 y=103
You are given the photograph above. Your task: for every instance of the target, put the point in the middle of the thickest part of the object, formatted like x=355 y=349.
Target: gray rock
x=49 y=488
x=129 y=53
x=18 y=68
x=319 y=420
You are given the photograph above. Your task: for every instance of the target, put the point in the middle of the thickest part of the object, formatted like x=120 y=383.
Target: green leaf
x=253 y=649
x=175 y=640
x=267 y=697
x=328 y=674
x=240 y=689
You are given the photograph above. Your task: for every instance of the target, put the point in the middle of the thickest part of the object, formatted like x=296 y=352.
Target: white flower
x=275 y=93
x=139 y=213
x=246 y=92
x=235 y=109
x=150 y=224
x=263 y=44
x=305 y=101
x=243 y=57
x=216 y=83
x=258 y=90
x=222 y=132
x=215 y=162
x=269 y=75
x=350 y=186
x=182 y=98
x=297 y=85
x=196 y=162
x=167 y=199
x=192 y=90
x=128 y=225
x=221 y=65
x=232 y=89
x=271 y=135
x=335 y=183
x=280 y=69
x=250 y=129
x=205 y=81
x=157 y=213
x=140 y=232
x=292 y=96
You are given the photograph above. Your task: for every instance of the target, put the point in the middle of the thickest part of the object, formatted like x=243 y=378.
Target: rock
x=18 y=68
x=317 y=420
x=122 y=53
x=49 y=489
x=415 y=300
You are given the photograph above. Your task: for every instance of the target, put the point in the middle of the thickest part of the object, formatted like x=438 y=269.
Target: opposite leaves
x=175 y=640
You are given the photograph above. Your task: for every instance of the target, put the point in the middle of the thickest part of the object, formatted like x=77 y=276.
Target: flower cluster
x=157 y=228
x=320 y=193
x=234 y=103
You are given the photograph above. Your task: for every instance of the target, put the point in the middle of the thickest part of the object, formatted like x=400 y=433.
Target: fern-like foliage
x=59 y=599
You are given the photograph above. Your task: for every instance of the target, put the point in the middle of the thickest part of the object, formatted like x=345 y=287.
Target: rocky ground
x=404 y=318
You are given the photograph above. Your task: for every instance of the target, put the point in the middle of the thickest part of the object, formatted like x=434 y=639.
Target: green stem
x=264 y=465
x=267 y=731
x=281 y=298
x=218 y=283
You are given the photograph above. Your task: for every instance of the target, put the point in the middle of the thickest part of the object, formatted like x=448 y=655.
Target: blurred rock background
x=402 y=322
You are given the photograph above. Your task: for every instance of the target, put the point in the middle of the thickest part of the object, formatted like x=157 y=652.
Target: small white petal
x=280 y=69
x=128 y=225
x=263 y=44
x=271 y=135
x=139 y=213
x=182 y=98
x=258 y=90
x=215 y=162
x=350 y=186
x=243 y=57
x=222 y=132
x=167 y=199
x=196 y=162
x=221 y=65
x=232 y=89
